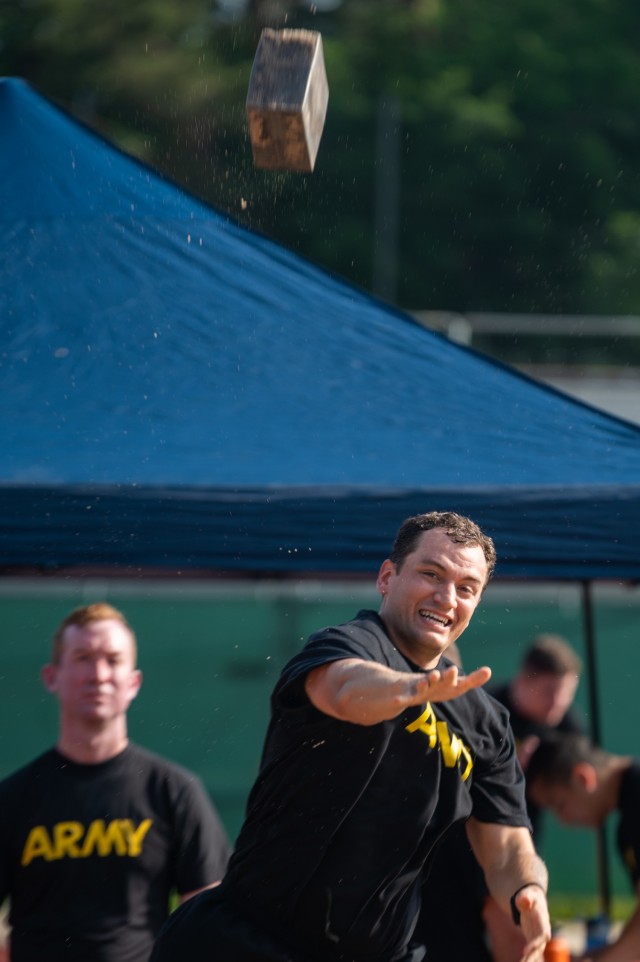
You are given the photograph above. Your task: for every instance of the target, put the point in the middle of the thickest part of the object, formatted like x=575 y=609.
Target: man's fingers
x=449 y=684
x=534 y=919
x=534 y=950
x=479 y=677
x=461 y=683
x=444 y=686
x=421 y=685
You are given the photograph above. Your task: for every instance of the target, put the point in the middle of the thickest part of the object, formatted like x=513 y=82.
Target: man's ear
x=585 y=777
x=49 y=677
x=387 y=569
x=135 y=683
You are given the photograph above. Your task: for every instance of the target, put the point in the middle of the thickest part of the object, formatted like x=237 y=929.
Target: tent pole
x=594 y=713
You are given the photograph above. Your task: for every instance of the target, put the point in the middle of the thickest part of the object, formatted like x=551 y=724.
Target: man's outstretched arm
x=366 y=693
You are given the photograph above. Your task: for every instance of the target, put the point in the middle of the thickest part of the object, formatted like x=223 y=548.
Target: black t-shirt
x=628 y=831
x=343 y=818
x=90 y=853
x=523 y=728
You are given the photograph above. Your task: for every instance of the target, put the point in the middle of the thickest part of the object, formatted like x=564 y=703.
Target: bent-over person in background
x=584 y=785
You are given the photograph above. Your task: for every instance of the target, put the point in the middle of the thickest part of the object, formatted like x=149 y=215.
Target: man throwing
x=376 y=746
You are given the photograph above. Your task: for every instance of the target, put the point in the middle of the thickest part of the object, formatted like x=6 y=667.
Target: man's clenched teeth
x=439 y=619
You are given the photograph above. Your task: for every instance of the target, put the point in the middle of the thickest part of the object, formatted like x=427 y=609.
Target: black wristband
x=515 y=911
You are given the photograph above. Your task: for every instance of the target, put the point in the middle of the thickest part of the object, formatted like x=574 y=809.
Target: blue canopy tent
x=179 y=393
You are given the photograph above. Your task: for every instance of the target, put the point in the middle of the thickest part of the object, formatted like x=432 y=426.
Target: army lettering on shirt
x=453 y=749
x=74 y=840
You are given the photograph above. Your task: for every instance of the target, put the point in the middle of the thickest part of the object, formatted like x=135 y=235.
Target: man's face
x=429 y=601
x=570 y=802
x=95 y=679
x=546 y=698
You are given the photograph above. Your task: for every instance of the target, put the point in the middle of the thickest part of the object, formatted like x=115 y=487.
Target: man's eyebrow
x=474 y=578
x=432 y=563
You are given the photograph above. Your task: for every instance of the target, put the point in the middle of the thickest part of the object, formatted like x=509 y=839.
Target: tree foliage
x=514 y=154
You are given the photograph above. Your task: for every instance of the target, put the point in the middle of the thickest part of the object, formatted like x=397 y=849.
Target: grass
x=568 y=906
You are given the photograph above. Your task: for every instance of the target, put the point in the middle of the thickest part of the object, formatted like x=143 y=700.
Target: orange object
x=557 y=950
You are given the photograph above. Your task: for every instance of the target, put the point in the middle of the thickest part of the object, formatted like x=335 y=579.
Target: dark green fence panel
x=210 y=655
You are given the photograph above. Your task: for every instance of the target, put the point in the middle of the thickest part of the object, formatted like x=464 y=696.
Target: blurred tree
x=144 y=73
x=518 y=132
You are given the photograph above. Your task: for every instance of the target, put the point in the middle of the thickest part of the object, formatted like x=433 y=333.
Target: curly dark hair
x=459 y=528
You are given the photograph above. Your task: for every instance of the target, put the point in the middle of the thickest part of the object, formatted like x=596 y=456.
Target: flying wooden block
x=287 y=100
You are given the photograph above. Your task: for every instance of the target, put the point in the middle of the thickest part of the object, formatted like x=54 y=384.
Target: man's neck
x=617 y=765
x=91 y=746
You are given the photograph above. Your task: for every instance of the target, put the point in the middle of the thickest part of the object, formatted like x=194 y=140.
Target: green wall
x=210 y=653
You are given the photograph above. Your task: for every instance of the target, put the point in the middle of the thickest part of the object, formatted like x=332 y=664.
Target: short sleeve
x=331 y=644
x=498 y=789
x=201 y=845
